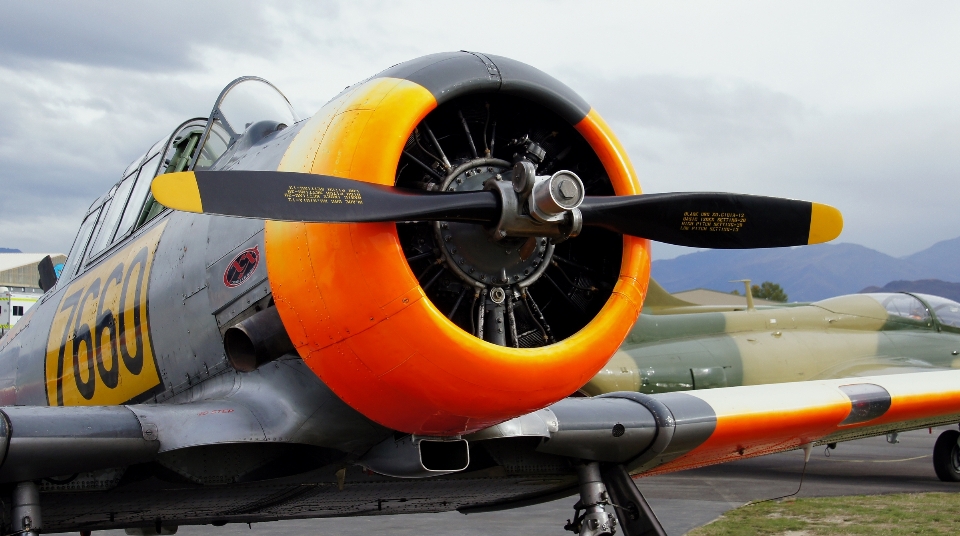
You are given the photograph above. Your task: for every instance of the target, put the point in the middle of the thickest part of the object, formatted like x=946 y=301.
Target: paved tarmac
x=682 y=501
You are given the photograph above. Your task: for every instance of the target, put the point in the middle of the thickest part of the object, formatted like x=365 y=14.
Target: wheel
x=946 y=456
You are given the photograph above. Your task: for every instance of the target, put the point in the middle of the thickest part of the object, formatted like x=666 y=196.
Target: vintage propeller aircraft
x=679 y=346
x=353 y=315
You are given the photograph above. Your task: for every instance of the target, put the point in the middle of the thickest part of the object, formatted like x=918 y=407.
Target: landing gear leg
x=635 y=515
x=946 y=456
x=594 y=521
x=26 y=509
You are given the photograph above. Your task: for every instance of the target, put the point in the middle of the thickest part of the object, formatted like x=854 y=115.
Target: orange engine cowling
x=438 y=329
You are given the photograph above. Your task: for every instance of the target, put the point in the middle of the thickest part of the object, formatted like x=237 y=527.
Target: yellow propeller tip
x=826 y=223
x=178 y=191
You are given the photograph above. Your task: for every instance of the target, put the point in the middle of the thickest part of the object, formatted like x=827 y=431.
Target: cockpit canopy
x=918 y=307
x=248 y=100
x=244 y=102
x=196 y=144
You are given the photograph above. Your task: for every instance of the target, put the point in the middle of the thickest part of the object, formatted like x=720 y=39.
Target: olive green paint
x=678 y=346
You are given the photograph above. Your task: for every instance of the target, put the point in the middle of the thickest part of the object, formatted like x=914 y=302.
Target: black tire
x=946 y=456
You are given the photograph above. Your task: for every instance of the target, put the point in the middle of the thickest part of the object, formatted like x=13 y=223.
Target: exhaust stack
x=257 y=340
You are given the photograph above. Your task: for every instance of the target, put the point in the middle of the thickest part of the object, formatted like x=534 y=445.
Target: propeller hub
x=554 y=196
x=479 y=258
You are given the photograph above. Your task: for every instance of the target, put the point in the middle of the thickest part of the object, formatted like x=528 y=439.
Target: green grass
x=905 y=513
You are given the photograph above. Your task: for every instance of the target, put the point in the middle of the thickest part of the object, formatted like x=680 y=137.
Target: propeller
x=709 y=220
x=715 y=220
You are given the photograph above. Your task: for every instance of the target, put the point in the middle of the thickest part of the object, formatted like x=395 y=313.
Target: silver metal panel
x=176 y=275
x=110 y=422
x=665 y=427
x=693 y=423
x=200 y=423
x=219 y=294
x=684 y=423
x=281 y=402
x=294 y=406
x=243 y=302
x=187 y=340
x=537 y=424
x=53 y=441
x=601 y=429
x=221 y=381
x=264 y=154
x=32 y=349
x=9 y=356
x=694 y=419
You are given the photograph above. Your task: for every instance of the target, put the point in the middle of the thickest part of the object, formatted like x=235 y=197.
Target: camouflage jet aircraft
x=679 y=346
x=416 y=355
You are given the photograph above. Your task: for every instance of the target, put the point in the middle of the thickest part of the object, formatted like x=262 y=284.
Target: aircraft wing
x=648 y=434
x=662 y=433
x=284 y=407
x=763 y=419
x=44 y=441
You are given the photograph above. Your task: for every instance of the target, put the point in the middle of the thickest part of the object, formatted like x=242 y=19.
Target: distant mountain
x=923 y=286
x=940 y=261
x=10 y=250
x=808 y=273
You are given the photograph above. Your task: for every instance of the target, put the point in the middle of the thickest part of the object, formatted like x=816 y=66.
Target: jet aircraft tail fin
x=658 y=298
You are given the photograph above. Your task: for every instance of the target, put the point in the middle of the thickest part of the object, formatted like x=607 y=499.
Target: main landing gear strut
x=26 y=509
x=608 y=484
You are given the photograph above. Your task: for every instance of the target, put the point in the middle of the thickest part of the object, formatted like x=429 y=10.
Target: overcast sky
x=851 y=104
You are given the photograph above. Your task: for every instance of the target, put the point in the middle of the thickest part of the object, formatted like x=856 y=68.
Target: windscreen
x=947 y=311
x=253 y=100
x=243 y=102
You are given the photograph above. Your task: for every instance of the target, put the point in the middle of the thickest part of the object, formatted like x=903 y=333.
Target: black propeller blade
x=273 y=195
x=712 y=220
x=715 y=220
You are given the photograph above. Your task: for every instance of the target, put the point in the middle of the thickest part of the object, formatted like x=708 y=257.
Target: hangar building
x=20 y=285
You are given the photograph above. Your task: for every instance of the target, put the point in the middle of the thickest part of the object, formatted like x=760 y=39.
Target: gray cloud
x=63 y=143
x=86 y=88
x=699 y=114
x=891 y=172
x=138 y=36
x=867 y=120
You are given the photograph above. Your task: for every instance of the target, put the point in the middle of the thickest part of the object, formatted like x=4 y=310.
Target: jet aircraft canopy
x=918 y=307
